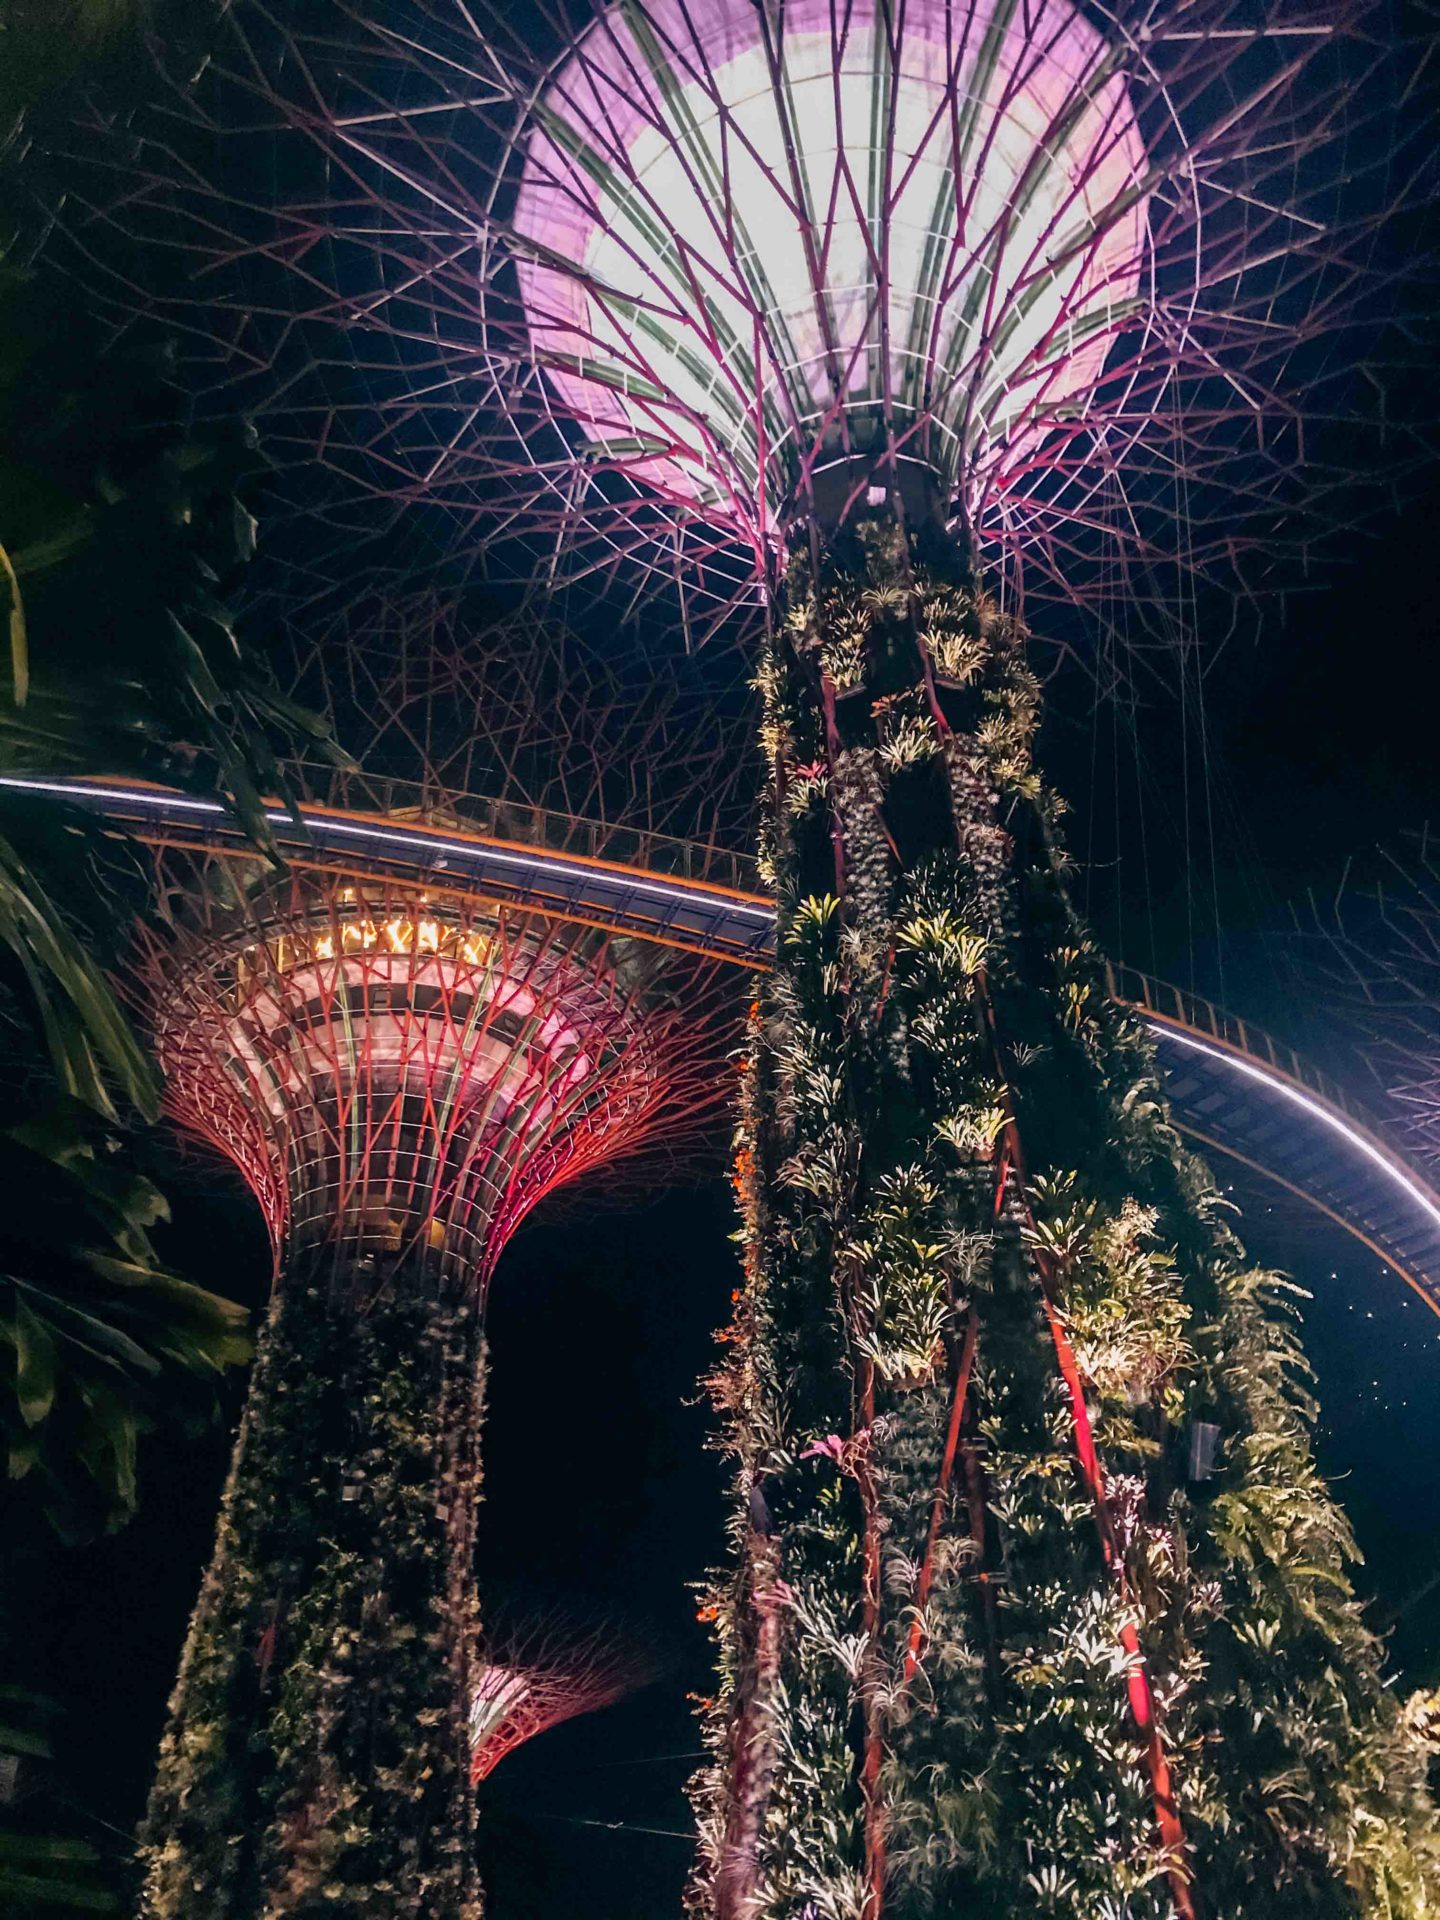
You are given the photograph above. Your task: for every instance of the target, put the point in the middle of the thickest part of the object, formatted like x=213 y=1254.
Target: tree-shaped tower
x=1038 y=1604
x=543 y=1669
x=400 y=1073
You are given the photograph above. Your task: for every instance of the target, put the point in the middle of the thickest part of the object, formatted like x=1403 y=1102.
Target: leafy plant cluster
x=42 y=1871
x=98 y=1332
x=117 y=537
x=317 y=1757
x=983 y=1627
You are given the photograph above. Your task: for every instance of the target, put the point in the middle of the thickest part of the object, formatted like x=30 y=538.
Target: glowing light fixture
x=713 y=288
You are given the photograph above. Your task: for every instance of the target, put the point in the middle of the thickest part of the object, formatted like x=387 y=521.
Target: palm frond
x=92 y=1327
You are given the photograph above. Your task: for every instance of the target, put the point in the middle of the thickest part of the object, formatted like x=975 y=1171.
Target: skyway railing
x=1232 y=1086
x=1193 y=1012
x=427 y=803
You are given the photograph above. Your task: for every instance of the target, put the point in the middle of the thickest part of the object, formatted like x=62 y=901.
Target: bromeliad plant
x=997 y=1640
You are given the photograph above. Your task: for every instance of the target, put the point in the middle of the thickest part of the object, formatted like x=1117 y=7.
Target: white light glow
x=741 y=230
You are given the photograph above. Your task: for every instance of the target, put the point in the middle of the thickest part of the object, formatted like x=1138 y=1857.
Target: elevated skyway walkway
x=1232 y=1088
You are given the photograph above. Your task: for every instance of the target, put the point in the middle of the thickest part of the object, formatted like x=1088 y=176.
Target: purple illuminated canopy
x=750 y=251
x=620 y=292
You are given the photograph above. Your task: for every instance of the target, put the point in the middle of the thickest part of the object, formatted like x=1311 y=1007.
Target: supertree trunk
x=1002 y=1637
x=317 y=1758
x=400 y=1075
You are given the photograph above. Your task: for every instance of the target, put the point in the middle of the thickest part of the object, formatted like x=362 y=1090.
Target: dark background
x=1317 y=742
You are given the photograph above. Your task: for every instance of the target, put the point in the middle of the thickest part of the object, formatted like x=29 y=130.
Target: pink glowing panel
x=733 y=236
x=425 y=1022
x=396 y=1079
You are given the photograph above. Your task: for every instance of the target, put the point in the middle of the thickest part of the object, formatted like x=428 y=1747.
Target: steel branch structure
x=453 y=703
x=542 y=1670
x=1379 y=972
x=625 y=293
x=401 y=1080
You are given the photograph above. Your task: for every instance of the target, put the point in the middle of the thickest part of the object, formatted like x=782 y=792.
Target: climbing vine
x=1037 y=1603
x=317 y=1758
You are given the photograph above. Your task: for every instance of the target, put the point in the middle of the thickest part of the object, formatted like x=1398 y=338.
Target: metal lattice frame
x=613 y=292
x=401 y=1076
x=402 y=1060
x=539 y=1671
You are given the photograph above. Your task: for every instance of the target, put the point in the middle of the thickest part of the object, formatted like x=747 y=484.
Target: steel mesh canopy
x=402 y=1077
x=751 y=243
x=448 y=703
x=598 y=296
x=542 y=1670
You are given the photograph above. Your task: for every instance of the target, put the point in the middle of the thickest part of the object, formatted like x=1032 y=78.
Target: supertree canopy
x=401 y=1082
x=631 y=289
x=542 y=1670
x=750 y=247
x=400 y=1073
x=1037 y=1603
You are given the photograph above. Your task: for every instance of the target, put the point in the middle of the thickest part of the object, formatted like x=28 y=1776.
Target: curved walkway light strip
x=719 y=921
x=1356 y=1142
x=1231 y=1088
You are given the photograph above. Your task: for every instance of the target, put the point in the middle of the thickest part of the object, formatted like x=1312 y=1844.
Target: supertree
x=543 y=1669
x=400 y=1073
x=1038 y=1604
